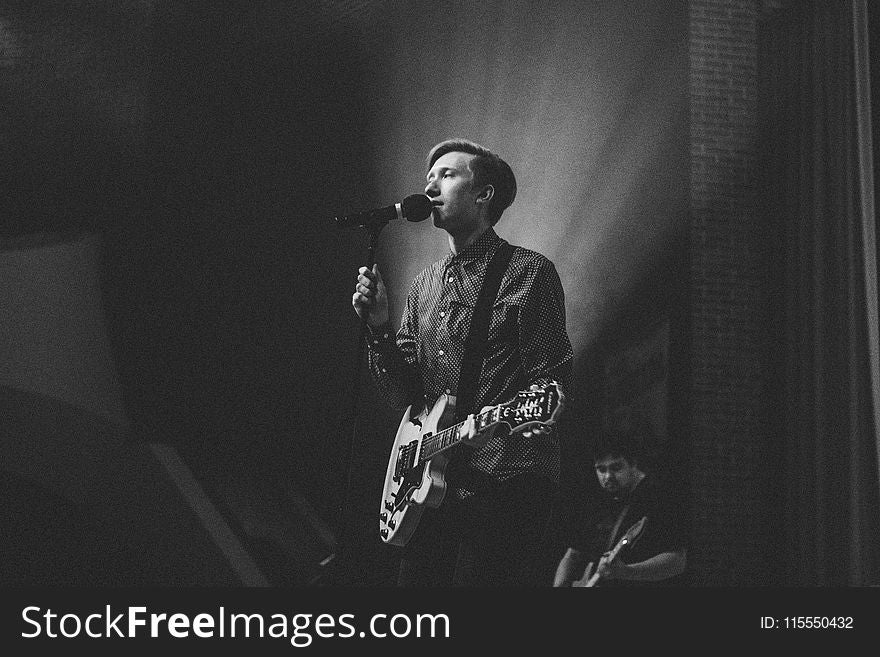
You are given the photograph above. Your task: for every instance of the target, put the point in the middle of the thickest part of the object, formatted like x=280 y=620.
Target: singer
x=489 y=528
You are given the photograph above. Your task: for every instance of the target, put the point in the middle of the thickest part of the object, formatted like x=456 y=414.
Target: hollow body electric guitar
x=417 y=465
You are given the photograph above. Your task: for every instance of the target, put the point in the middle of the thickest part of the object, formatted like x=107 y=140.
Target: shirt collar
x=484 y=245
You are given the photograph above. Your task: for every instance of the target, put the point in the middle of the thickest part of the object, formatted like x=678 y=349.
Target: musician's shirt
x=527 y=344
x=592 y=530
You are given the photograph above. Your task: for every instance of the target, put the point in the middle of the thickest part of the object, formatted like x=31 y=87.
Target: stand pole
x=341 y=560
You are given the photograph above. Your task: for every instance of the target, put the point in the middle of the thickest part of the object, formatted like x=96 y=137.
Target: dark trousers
x=495 y=539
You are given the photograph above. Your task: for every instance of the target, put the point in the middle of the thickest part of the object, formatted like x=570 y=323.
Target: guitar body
x=409 y=488
x=415 y=477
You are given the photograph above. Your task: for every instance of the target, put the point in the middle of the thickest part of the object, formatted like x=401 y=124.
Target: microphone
x=415 y=207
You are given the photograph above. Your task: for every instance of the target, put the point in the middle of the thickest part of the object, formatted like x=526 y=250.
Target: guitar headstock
x=537 y=406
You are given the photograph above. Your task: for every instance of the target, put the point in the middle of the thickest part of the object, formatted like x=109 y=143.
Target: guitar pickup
x=405 y=459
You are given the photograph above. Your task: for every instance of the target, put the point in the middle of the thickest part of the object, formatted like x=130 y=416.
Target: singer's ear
x=486 y=195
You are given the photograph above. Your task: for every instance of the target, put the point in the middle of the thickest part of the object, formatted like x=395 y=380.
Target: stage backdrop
x=587 y=101
x=212 y=144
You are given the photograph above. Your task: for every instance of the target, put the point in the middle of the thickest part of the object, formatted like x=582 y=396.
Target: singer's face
x=451 y=189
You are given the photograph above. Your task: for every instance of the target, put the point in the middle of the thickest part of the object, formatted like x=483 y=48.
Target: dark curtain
x=820 y=200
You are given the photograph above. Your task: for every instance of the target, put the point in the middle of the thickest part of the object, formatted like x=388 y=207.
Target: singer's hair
x=488 y=168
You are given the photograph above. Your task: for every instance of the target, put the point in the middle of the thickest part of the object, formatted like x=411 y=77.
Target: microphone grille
x=416 y=207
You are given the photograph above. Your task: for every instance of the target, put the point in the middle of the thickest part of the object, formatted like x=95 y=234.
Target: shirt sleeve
x=544 y=344
x=393 y=358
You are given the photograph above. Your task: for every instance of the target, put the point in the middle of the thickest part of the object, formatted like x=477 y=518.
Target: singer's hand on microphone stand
x=369 y=298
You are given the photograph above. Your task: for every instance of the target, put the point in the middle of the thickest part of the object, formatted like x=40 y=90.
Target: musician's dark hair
x=488 y=169
x=630 y=442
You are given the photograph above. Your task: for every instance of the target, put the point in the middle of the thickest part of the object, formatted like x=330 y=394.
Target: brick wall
x=731 y=414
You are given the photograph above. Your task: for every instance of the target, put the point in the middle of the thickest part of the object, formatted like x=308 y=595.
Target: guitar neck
x=451 y=436
x=536 y=405
x=617 y=548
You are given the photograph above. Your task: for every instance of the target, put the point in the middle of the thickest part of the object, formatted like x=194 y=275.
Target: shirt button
x=442 y=314
x=449 y=280
x=448 y=391
x=441 y=352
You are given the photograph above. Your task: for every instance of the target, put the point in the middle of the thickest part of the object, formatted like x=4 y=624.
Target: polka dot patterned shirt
x=527 y=344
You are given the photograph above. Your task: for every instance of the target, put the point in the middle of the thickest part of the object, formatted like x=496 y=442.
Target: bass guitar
x=420 y=453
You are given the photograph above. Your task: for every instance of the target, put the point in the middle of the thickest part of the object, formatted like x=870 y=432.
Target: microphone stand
x=339 y=560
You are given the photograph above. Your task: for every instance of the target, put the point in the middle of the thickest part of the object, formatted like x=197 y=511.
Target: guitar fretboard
x=449 y=437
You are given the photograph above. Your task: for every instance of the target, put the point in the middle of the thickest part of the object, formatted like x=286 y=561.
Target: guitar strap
x=475 y=345
x=612 y=537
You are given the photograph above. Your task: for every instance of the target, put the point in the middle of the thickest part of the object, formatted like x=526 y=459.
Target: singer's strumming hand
x=369 y=296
